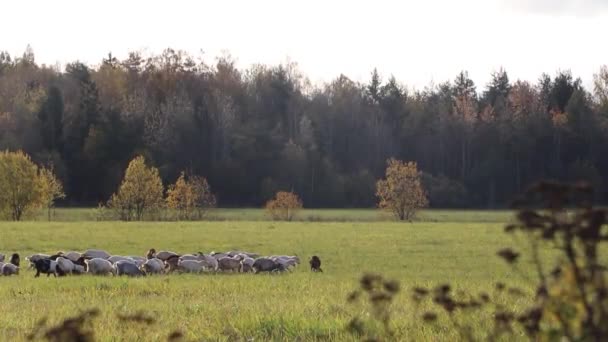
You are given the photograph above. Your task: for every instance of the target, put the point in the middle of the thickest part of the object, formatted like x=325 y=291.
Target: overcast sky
x=419 y=41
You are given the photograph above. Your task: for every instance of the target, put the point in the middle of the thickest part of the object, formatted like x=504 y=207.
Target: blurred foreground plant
x=571 y=291
x=380 y=293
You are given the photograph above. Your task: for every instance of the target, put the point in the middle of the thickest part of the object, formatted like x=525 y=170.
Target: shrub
x=284 y=206
x=190 y=197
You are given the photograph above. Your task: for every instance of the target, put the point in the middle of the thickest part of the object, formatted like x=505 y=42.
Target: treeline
x=256 y=131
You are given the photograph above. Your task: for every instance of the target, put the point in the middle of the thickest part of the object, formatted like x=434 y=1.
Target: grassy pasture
x=311 y=215
x=296 y=306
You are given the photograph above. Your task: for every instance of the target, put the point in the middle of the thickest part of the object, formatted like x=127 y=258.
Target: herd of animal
x=100 y=262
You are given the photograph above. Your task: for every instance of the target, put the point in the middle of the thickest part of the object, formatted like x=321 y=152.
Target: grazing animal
x=164 y=255
x=81 y=261
x=210 y=262
x=15 y=259
x=78 y=269
x=98 y=266
x=248 y=254
x=267 y=265
x=315 y=264
x=229 y=264
x=138 y=259
x=96 y=253
x=139 y=262
x=153 y=266
x=247 y=264
x=171 y=263
x=2 y=256
x=287 y=261
x=189 y=257
x=218 y=256
x=9 y=269
x=47 y=266
x=115 y=258
x=55 y=256
x=72 y=256
x=34 y=257
x=65 y=265
x=191 y=266
x=125 y=267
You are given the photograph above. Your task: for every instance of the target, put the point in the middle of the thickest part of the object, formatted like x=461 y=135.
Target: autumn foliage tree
x=50 y=188
x=284 y=206
x=401 y=192
x=19 y=190
x=24 y=187
x=140 y=192
x=190 y=197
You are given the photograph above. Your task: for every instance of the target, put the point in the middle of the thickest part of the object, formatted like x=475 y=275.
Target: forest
x=252 y=132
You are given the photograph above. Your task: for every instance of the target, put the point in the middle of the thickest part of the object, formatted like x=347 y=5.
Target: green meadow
x=443 y=247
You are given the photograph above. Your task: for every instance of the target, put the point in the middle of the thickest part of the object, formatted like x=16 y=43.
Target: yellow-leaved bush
x=284 y=206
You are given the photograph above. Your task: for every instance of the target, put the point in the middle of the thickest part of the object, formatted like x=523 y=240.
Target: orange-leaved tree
x=401 y=192
x=191 y=197
x=284 y=206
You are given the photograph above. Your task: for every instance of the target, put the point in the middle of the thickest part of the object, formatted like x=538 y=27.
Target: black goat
x=315 y=264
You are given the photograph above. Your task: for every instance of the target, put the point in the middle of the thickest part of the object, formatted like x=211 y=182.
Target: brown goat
x=151 y=253
x=171 y=263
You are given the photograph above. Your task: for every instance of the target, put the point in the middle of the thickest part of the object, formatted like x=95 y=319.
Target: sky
x=420 y=42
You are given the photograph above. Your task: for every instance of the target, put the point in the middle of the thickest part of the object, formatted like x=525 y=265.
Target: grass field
x=294 y=306
x=309 y=215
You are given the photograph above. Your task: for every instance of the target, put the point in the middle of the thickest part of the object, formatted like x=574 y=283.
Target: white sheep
x=229 y=264
x=219 y=255
x=153 y=266
x=99 y=266
x=191 y=266
x=287 y=261
x=189 y=257
x=96 y=253
x=128 y=268
x=78 y=269
x=248 y=261
x=247 y=254
x=66 y=265
x=138 y=259
x=209 y=261
x=247 y=264
x=9 y=269
x=139 y=262
x=116 y=258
